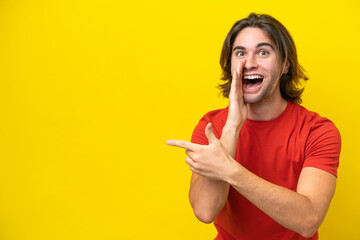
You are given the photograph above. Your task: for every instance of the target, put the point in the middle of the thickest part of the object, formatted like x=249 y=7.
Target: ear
x=286 y=67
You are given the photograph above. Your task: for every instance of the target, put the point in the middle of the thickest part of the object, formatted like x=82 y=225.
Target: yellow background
x=91 y=90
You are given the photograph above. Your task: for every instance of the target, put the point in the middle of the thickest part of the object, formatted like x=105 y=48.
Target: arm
x=302 y=211
x=208 y=196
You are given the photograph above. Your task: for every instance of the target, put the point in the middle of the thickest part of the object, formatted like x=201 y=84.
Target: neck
x=266 y=110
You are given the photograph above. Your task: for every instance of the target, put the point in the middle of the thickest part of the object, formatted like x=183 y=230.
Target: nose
x=250 y=62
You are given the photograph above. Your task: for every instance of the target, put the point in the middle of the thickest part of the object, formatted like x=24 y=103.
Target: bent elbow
x=308 y=233
x=205 y=217
x=310 y=228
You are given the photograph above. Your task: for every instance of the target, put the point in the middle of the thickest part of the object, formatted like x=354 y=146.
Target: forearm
x=229 y=138
x=290 y=209
x=208 y=196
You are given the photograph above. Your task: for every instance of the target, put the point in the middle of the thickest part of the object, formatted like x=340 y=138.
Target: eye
x=240 y=54
x=263 y=53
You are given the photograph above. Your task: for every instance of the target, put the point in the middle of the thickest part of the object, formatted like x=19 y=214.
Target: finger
x=190 y=153
x=240 y=67
x=182 y=144
x=234 y=84
x=239 y=70
x=200 y=172
x=194 y=170
x=209 y=133
x=189 y=161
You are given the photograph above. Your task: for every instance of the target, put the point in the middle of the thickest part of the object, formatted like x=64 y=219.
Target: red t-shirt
x=277 y=151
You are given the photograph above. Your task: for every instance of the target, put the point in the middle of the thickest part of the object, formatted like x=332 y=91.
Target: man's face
x=263 y=68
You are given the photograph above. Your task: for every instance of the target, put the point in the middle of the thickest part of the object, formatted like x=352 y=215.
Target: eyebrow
x=257 y=46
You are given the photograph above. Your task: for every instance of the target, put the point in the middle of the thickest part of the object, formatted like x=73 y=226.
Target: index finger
x=237 y=76
x=182 y=144
x=239 y=71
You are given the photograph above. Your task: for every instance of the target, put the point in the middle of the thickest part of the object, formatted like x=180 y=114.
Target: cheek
x=274 y=76
x=273 y=69
x=275 y=73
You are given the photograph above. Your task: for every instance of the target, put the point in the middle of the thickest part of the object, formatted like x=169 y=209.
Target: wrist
x=232 y=128
x=233 y=172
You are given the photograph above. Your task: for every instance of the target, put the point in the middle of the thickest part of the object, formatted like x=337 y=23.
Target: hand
x=211 y=161
x=237 y=107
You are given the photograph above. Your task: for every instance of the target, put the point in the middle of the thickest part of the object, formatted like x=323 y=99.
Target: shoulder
x=316 y=122
x=323 y=143
x=311 y=119
x=324 y=133
x=216 y=115
x=217 y=118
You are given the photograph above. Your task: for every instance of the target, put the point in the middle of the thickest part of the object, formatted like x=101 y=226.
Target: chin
x=252 y=99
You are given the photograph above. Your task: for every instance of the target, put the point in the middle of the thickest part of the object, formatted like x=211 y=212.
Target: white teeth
x=252 y=77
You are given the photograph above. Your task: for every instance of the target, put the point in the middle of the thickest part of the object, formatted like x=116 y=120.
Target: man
x=264 y=167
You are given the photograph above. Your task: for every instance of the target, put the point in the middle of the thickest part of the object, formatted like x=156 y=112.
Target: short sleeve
x=217 y=119
x=198 y=135
x=323 y=147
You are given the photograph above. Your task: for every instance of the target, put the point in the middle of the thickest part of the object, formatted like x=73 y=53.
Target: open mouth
x=252 y=82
